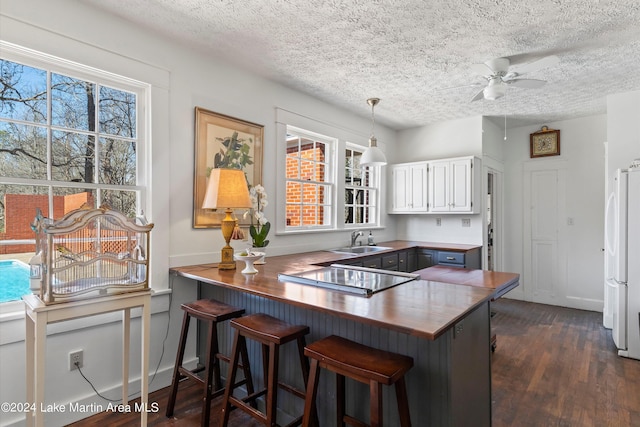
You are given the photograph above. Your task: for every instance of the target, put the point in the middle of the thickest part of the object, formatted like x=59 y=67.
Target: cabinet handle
x=389 y=262
x=450 y=258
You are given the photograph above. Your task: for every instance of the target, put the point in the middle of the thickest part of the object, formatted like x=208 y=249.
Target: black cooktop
x=358 y=280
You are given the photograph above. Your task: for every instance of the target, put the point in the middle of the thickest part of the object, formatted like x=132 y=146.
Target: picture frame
x=223 y=141
x=545 y=142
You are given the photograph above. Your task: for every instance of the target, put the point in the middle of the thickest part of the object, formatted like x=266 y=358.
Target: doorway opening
x=492 y=221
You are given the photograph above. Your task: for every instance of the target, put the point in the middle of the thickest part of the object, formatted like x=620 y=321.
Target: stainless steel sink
x=360 y=249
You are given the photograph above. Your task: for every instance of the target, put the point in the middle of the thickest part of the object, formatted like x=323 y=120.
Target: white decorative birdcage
x=89 y=253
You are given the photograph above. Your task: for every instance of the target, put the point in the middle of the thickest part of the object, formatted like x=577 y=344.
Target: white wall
x=75 y=31
x=453 y=138
x=582 y=149
x=493 y=141
x=623 y=130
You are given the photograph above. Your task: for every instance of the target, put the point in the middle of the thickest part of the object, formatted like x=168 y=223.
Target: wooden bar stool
x=271 y=333
x=212 y=312
x=361 y=363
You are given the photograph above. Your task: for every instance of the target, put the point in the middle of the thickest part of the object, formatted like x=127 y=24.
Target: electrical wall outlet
x=438 y=222
x=75 y=360
x=466 y=222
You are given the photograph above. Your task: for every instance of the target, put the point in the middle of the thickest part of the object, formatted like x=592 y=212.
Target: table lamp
x=227 y=189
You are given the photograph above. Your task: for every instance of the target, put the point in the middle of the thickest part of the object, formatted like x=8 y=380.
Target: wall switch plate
x=466 y=222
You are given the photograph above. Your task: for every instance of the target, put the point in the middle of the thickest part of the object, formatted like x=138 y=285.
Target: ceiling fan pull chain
x=505 y=127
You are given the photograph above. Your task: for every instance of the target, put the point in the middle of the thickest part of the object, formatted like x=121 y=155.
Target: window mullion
x=49 y=143
x=96 y=147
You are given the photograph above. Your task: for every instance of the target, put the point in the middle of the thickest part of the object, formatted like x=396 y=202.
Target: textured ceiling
x=415 y=54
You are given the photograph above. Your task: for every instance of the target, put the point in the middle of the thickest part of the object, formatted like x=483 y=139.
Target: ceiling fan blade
x=491 y=67
x=461 y=86
x=479 y=95
x=547 y=61
x=482 y=70
x=526 y=83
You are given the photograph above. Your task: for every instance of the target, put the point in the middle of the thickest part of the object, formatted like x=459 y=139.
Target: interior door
x=544 y=254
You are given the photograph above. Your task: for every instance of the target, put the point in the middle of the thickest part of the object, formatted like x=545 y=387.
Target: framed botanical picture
x=545 y=142
x=223 y=142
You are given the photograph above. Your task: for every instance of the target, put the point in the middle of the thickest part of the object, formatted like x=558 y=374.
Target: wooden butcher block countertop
x=426 y=307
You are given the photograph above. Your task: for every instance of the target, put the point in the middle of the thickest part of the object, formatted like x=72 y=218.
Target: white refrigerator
x=622 y=263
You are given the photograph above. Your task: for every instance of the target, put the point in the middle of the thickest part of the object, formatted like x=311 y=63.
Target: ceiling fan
x=500 y=74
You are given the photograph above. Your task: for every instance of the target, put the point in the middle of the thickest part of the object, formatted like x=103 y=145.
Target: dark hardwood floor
x=552 y=366
x=559 y=367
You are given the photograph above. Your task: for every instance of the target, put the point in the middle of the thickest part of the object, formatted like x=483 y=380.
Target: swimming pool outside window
x=15 y=280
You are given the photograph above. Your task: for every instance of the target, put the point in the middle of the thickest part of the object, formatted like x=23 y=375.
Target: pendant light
x=373 y=156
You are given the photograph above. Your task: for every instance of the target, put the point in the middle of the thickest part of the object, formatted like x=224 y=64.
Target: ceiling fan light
x=373 y=156
x=495 y=89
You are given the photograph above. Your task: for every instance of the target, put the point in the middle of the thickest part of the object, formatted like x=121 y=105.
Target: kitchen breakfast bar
x=444 y=325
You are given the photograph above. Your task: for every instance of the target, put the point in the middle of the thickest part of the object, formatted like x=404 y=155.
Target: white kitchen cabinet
x=409 y=188
x=454 y=185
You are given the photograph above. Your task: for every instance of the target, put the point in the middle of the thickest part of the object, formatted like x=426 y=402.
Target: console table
x=38 y=316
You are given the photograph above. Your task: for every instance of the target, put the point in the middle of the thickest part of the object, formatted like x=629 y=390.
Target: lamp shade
x=373 y=156
x=227 y=188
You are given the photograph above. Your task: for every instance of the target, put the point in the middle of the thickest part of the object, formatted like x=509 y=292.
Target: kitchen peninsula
x=445 y=327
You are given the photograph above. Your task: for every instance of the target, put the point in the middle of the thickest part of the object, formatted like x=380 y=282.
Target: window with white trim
x=70 y=135
x=323 y=187
x=360 y=191
x=309 y=180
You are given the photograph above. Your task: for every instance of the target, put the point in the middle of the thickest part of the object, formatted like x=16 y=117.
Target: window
x=360 y=192
x=309 y=180
x=324 y=188
x=69 y=136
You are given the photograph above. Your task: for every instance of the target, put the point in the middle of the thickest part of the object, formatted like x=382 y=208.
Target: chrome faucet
x=354 y=236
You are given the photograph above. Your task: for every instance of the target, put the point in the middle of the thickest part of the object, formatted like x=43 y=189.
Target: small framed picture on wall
x=545 y=142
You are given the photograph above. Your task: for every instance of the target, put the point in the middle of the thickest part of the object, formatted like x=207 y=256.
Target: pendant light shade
x=373 y=156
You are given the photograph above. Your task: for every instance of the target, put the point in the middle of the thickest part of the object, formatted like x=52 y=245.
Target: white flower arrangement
x=259 y=201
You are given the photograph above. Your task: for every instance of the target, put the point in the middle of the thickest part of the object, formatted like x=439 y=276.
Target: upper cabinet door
x=439 y=188
x=418 y=188
x=400 y=183
x=454 y=185
x=409 y=188
x=461 y=185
